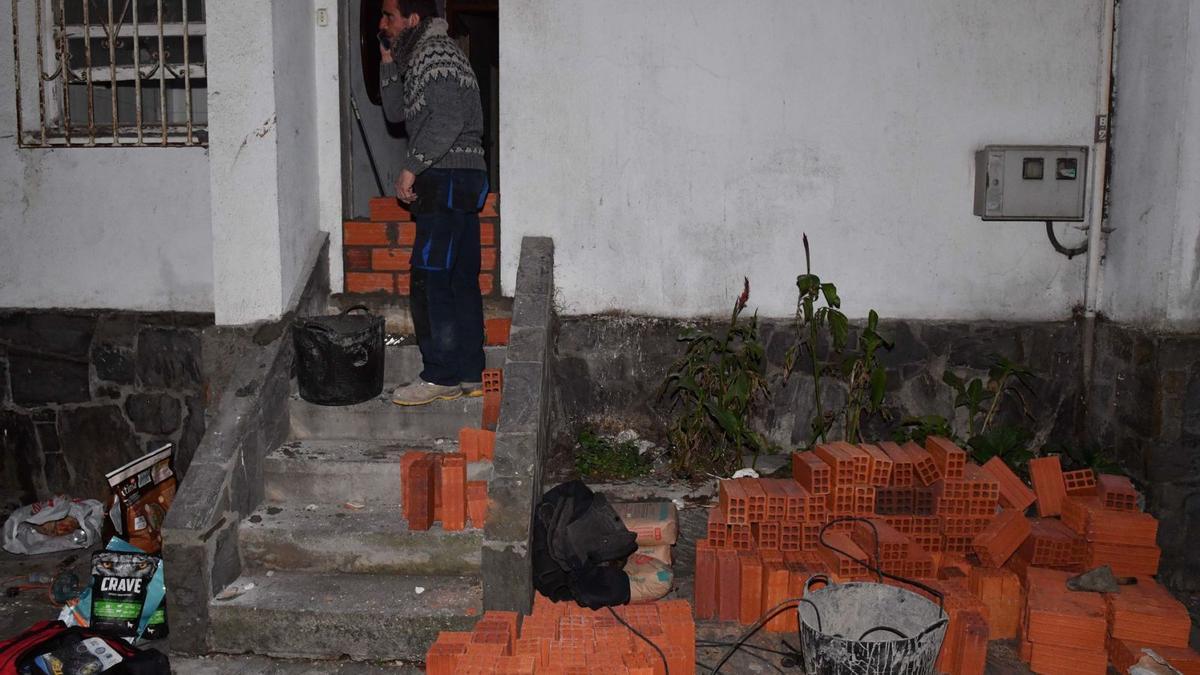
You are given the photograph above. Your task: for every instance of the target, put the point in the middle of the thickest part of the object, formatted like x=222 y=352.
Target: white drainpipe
x=1091 y=294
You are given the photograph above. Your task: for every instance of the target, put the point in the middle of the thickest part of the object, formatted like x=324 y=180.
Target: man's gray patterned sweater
x=431 y=88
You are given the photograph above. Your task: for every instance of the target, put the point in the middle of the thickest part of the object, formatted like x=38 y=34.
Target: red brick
x=1117 y=492
x=811 y=472
x=486 y=284
x=487 y=259
x=1081 y=482
x=924 y=468
x=751 y=570
x=497 y=331
x=706 y=581
x=477 y=502
x=358 y=233
x=420 y=485
x=996 y=544
x=370 y=282
x=358 y=259
x=385 y=209
x=902 y=465
x=756 y=500
x=406 y=462
x=1014 y=494
x=487 y=233
x=972 y=650
x=776 y=585
x=729 y=596
x=406 y=234
x=859 y=459
x=949 y=458
x=403 y=284
x=491 y=206
x=391 y=259
x=454 y=492
x=1046 y=476
x=841 y=464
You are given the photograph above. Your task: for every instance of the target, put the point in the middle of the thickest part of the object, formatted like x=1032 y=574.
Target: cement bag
x=57 y=524
x=654 y=523
x=649 y=579
x=661 y=553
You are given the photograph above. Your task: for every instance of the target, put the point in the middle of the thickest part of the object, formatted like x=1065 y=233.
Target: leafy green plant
x=1006 y=381
x=1010 y=444
x=866 y=378
x=1085 y=457
x=918 y=428
x=716 y=384
x=605 y=458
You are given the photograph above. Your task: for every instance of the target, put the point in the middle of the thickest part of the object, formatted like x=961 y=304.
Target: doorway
x=475 y=25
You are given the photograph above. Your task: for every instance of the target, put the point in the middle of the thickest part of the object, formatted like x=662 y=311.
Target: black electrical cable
x=762 y=621
x=718 y=643
x=1069 y=252
x=867 y=563
x=882 y=628
x=661 y=655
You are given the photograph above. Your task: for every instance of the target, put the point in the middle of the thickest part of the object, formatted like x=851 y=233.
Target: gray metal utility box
x=1031 y=182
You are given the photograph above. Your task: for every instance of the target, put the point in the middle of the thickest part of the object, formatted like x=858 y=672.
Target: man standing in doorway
x=427 y=83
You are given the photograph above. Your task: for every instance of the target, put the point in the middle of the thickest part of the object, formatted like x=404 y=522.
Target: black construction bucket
x=857 y=628
x=339 y=358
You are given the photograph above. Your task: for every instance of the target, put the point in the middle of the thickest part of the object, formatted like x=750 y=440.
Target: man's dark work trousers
x=447 y=308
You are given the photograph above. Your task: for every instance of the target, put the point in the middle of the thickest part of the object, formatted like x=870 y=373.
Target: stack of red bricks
x=436 y=489
x=1147 y=615
x=1063 y=631
x=565 y=639
x=377 y=251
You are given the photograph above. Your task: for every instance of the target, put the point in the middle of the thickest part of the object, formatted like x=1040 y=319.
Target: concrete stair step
x=375 y=617
x=335 y=472
x=381 y=420
x=368 y=541
x=402 y=363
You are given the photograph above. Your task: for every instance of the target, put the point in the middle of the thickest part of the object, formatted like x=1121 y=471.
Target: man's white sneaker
x=421 y=393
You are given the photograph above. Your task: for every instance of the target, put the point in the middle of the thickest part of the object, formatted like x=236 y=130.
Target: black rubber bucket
x=857 y=628
x=339 y=358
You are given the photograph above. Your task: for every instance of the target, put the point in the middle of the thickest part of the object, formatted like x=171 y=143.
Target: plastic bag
x=57 y=524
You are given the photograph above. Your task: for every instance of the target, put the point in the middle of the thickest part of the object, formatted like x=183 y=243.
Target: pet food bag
x=120 y=582
x=142 y=492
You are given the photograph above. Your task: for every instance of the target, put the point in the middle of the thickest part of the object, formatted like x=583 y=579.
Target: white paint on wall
x=671 y=148
x=100 y=228
x=1152 y=272
x=264 y=170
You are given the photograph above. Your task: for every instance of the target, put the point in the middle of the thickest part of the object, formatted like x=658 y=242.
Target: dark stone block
x=113 y=364
x=97 y=439
x=67 y=335
x=527 y=345
x=169 y=359
x=507 y=577
x=58 y=473
x=523 y=397
x=5 y=390
x=107 y=391
x=510 y=509
x=193 y=432
x=18 y=442
x=186 y=567
x=516 y=455
x=201 y=497
x=38 y=380
x=907 y=346
x=227 y=565
x=155 y=414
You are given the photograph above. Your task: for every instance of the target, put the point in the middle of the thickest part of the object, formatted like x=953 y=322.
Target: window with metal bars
x=110 y=73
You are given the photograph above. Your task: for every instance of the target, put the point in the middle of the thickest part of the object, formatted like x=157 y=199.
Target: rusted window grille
x=110 y=73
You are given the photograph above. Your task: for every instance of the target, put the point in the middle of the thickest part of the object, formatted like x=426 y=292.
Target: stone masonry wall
x=1146 y=405
x=608 y=370
x=83 y=392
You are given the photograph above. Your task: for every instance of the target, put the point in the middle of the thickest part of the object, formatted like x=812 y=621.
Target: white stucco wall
x=672 y=147
x=1152 y=273
x=99 y=227
x=267 y=165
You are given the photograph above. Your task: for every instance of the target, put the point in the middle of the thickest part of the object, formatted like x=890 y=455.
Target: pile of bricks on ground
x=961 y=529
x=565 y=639
x=435 y=486
x=377 y=252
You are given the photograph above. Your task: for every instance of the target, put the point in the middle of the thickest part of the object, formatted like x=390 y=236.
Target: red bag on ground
x=17 y=654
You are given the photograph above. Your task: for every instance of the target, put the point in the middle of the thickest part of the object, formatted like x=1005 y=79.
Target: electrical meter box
x=1031 y=182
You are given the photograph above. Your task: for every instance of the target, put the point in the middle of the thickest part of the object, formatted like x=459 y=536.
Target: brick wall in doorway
x=377 y=251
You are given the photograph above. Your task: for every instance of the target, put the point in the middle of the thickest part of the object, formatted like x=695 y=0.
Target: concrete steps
x=336 y=472
x=362 y=616
x=380 y=419
x=372 y=540
x=402 y=363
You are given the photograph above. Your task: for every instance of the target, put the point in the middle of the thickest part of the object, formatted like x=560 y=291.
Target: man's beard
x=402 y=44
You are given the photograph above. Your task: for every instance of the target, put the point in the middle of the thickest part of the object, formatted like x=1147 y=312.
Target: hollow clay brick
x=752 y=587
x=477 y=503
x=419 y=486
x=1080 y=483
x=841 y=464
x=924 y=468
x=811 y=472
x=859 y=459
x=705 y=591
x=881 y=465
x=902 y=464
x=1014 y=494
x=729 y=587
x=1046 y=475
x=949 y=458
x=733 y=502
x=454 y=491
x=1117 y=492
x=756 y=499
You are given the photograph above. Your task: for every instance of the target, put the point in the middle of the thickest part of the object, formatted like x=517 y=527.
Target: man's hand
x=404 y=187
x=385 y=54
